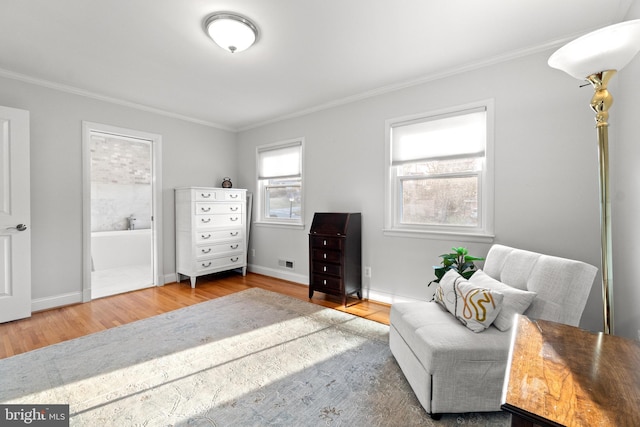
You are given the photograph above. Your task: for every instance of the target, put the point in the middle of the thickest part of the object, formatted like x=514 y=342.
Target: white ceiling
x=310 y=54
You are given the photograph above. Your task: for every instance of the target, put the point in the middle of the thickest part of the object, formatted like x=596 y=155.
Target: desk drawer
x=334 y=243
x=324 y=268
x=324 y=283
x=326 y=256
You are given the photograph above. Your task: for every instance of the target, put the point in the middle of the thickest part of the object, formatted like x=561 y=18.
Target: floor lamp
x=597 y=57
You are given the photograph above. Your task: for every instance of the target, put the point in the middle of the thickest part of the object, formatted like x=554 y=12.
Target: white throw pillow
x=515 y=300
x=445 y=294
x=476 y=307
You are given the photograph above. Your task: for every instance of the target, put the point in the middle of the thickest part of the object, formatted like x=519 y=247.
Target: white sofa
x=453 y=369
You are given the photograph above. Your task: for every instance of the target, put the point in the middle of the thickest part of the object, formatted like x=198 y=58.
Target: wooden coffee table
x=560 y=375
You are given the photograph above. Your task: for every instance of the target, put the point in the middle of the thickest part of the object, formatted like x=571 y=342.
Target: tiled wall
x=120 y=183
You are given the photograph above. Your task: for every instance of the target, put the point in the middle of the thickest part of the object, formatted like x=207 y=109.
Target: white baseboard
x=384 y=297
x=47 y=303
x=76 y=297
x=280 y=274
x=169 y=278
x=370 y=294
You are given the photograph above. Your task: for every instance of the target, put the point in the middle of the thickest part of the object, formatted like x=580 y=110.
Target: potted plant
x=458 y=260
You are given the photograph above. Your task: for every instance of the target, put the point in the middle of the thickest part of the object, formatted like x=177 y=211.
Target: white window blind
x=284 y=161
x=440 y=137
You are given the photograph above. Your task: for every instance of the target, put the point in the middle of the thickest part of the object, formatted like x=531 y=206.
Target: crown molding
x=100 y=97
x=464 y=68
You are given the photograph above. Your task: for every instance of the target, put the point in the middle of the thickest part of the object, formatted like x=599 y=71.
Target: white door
x=15 y=232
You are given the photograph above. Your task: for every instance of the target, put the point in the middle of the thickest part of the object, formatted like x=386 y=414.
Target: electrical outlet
x=253 y=252
x=367 y=272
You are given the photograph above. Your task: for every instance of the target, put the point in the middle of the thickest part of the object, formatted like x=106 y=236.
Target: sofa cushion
x=514 y=301
x=474 y=306
x=438 y=342
x=562 y=285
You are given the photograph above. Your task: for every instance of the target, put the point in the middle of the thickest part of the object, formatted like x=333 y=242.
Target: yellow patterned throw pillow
x=475 y=306
x=515 y=300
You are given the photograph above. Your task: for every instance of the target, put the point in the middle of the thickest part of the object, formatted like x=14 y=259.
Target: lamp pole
x=600 y=104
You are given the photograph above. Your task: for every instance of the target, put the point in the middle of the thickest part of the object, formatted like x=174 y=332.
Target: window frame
x=262 y=186
x=393 y=183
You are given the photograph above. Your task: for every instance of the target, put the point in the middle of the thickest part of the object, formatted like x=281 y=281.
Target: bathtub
x=115 y=249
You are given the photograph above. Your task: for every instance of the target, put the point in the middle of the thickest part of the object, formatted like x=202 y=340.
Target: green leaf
x=458 y=260
x=467 y=274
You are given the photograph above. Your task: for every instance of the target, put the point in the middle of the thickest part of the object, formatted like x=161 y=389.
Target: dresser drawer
x=221 y=220
x=324 y=268
x=217 y=195
x=230 y=261
x=326 y=242
x=326 y=256
x=233 y=195
x=227 y=235
x=209 y=251
x=205 y=195
x=321 y=283
x=206 y=208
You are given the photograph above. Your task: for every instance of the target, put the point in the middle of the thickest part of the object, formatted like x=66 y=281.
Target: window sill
x=440 y=235
x=298 y=226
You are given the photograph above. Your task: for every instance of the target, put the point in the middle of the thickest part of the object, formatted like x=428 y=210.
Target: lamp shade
x=609 y=48
x=230 y=31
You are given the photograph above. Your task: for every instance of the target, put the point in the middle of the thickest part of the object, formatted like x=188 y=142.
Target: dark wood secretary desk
x=560 y=375
x=335 y=254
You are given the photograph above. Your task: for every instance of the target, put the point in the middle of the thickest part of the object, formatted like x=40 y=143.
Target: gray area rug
x=255 y=358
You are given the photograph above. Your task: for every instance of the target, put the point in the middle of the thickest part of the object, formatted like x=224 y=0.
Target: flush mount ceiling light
x=231 y=31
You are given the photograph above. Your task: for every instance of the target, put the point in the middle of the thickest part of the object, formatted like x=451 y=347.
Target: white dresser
x=210 y=231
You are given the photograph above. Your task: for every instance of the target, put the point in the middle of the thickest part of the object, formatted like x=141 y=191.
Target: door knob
x=19 y=227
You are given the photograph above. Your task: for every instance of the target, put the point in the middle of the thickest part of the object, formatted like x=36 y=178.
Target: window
x=439 y=172
x=280 y=182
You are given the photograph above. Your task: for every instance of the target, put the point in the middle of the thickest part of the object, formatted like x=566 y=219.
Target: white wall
x=624 y=143
x=193 y=154
x=546 y=191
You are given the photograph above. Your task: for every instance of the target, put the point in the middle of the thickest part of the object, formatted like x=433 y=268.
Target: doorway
x=121 y=210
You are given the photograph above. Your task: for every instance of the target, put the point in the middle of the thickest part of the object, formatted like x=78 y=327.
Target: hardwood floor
x=64 y=323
